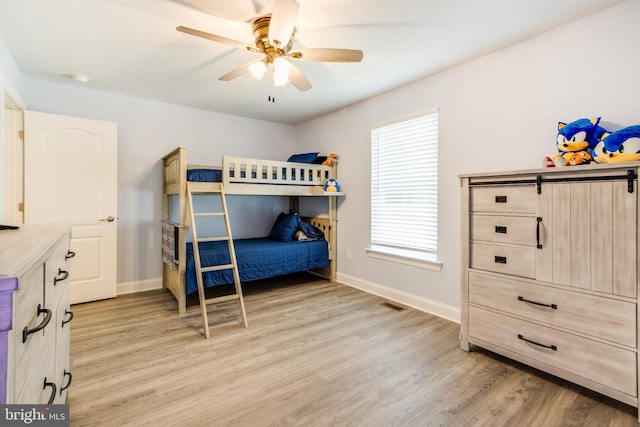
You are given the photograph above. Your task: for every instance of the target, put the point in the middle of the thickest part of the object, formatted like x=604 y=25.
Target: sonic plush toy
x=620 y=146
x=576 y=141
x=331 y=186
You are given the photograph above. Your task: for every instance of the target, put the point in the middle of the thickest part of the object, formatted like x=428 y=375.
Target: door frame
x=12 y=160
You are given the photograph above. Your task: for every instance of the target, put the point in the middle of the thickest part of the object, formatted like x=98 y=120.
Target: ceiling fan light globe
x=281 y=66
x=281 y=69
x=258 y=69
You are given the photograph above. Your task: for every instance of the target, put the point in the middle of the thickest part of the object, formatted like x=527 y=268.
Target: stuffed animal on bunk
x=576 y=141
x=331 y=160
x=620 y=146
x=331 y=186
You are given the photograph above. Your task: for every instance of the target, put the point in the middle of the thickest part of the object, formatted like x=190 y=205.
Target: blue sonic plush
x=331 y=186
x=576 y=141
x=620 y=146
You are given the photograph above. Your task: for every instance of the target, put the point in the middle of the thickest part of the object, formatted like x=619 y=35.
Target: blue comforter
x=259 y=258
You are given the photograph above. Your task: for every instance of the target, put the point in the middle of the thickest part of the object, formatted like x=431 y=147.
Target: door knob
x=108 y=219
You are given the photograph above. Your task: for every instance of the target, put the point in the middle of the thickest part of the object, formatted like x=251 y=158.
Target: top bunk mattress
x=204 y=175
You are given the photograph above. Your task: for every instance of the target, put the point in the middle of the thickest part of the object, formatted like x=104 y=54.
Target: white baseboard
x=419 y=303
x=139 y=286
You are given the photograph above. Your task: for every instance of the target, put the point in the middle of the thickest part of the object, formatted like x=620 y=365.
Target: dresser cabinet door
x=588 y=231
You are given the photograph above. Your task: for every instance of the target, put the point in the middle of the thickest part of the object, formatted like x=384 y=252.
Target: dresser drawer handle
x=501 y=229
x=552 y=347
x=500 y=259
x=539 y=222
x=54 y=389
x=65 y=321
x=523 y=299
x=62 y=276
x=47 y=318
x=501 y=199
x=70 y=254
x=66 y=374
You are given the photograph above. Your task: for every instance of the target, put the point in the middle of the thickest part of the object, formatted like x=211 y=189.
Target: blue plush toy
x=331 y=186
x=576 y=141
x=620 y=146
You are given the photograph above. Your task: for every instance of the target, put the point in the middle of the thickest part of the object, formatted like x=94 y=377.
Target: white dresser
x=35 y=260
x=550 y=272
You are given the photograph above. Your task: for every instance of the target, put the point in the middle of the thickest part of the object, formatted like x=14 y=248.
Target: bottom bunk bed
x=259 y=258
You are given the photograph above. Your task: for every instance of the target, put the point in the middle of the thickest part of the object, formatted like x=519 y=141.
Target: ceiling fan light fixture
x=281 y=69
x=258 y=69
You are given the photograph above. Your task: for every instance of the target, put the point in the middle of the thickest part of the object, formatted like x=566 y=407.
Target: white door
x=71 y=177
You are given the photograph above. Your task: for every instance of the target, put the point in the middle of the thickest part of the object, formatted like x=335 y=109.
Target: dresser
x=34 y=326
x=550 y=272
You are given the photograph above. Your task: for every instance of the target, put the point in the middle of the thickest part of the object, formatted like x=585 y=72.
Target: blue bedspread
x=204 y=175
x=259 y=258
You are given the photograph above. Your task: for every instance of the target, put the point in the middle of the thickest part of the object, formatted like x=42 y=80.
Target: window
x=404 y=189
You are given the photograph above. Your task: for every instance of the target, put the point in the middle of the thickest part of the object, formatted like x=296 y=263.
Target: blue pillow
x=311 y=231
x=303 y=158
x=285 y=226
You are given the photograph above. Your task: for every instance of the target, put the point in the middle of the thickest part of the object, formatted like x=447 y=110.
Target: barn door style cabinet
x=550 y=272
x=35 y=315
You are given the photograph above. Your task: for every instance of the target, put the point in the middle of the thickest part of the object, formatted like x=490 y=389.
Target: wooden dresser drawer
x=509 y=259
x=519 y=230
x=605 y=318
x=33 y=356
x=504 y=199
x=594 y=361
x=56 y=274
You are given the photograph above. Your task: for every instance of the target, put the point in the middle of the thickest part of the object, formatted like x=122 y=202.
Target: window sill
x=425 y=261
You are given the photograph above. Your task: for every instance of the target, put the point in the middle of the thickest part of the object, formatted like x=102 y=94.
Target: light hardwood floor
x=315 y=354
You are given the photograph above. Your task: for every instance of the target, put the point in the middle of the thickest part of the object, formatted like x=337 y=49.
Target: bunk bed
x=257 y=258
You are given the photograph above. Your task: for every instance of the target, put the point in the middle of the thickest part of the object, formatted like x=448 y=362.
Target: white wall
x=148 y=130
x=499 y=112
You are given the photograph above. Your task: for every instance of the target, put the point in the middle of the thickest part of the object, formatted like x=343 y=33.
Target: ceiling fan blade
x=237 y=72
x=298 y=79
x=283 y=22
x=327 y=55
x=215 y=38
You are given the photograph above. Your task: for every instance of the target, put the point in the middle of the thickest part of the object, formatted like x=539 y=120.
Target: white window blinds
x=404 y=186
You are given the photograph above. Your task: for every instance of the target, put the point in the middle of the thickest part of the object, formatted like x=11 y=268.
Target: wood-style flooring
x=315 y=354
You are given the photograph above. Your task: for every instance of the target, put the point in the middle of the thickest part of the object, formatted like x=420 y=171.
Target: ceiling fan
x=274 y=36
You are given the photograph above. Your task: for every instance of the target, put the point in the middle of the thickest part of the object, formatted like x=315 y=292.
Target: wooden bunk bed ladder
x=201 y=188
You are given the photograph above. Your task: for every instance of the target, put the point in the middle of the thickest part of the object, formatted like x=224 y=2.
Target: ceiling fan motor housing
x=260 y=29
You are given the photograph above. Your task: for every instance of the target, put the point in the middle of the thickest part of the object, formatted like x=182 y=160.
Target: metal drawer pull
x=65 y=321
x=63 y=276
x=501 y=229
x=539 y=220
x=500 y=259
x=552 y=347
x=54 y=389
x=70 y=254
x=47 y=318
x=501 y=199
x=523 y=299
x=66 y=373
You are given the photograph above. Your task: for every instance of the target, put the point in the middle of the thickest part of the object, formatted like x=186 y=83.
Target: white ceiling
x=131 y=47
